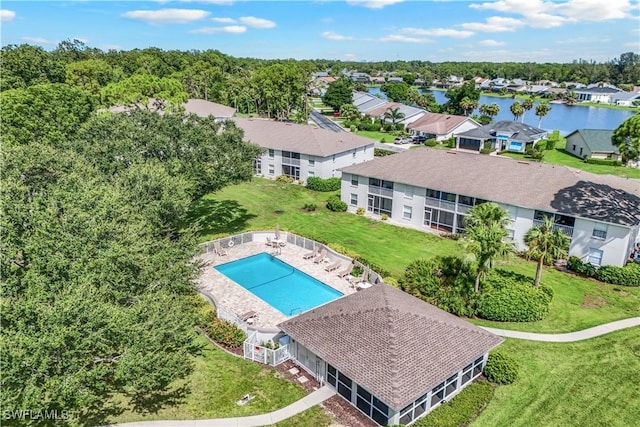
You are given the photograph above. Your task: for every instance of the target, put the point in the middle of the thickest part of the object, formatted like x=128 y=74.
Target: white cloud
x=494 y=24
x=373 y=4
x=490 y=42
x=254 y=22
x=229 y=29
x=224 y=20
x=167 y=16
x=350 y=56
x=438 y=32
x=548 y=14
x=7 y=15
x=397 y=38
x=39 y=40
x=634 y=45
x=333 y=36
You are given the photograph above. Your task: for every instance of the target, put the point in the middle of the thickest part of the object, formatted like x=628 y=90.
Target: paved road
x=271 y=418
x=571 y=336
x=324 y=122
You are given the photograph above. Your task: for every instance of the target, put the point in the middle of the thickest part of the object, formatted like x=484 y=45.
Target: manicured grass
x=313 y=417
x=261 y=204
x=588 y=383
x=464 y=407
x=559 y=156
x=376 y=135
x=217 y=382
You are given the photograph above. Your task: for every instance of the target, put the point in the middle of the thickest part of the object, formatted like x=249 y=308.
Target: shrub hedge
x=501 y=368
x=607 y=162
x=325 y=185
x=285 y=179
x=226 y=333
x=576 y=265
x=511 y=297
x=431 y=142
x=335 y=204
x=629 y=275
x=462 y=409
x=379 y=152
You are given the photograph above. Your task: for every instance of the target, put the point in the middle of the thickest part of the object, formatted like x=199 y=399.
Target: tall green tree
x=490 y=110
x=338 y=93
x=468 y=105
x=517 y=110
x=485 y=234
x=457 y=94
x=527 y=104
x=546 y=244
x=91 y=75
x=25 y=65
x=145 y=91
x=627 y=138
x=393 y=114
x=349 y=111
x=397 y=92
x=542 y=110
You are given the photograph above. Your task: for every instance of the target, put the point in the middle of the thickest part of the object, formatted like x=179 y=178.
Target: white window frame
x=600 y=231
x=353 y=199
x=312 y=162
x=272 y=170
x=408 y=192
x=271 y=153
x=407 y=212
x=593 y=255
x=354 y=178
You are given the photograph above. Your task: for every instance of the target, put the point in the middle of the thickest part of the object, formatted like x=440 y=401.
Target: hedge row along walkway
x=585 y=334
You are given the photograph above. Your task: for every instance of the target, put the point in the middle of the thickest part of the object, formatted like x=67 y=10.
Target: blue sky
x=359 y=30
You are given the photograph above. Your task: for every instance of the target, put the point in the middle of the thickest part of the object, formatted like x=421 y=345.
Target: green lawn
x=376 y=135
x=588 y=383
x=559 y=156
x=217 y=382
x=261 y=204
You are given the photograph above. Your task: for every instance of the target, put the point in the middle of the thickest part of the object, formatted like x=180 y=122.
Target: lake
x=562 y=117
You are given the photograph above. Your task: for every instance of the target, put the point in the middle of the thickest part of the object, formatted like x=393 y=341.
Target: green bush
x=324 y=185
x=310 y=207
x=384 y=217
x=501 y=368
x=511 y=297
x=576 y=265
x=379 y=152
x=335 y=204
x=607 y=162
x=462 y=409
x=226 y=333
x=285 y=179
x=342 y=250
x=550 y=144
x=360 y=211
x=628 y=275
x=431 y=142
x=451 y=142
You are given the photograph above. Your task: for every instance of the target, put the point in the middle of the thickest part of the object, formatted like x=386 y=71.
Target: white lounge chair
x=311 y=254
x=333 y=266
x=347 y=271
x=320 y=257
x=219 y=250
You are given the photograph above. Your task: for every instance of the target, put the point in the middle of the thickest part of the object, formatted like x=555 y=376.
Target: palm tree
x=517 y=110
x=527 y=105
x=490 y=110
x=546 y=244
x=542 y=110
x=394 y=114
x=485 y=232
x=468 y=105
x=571 y=98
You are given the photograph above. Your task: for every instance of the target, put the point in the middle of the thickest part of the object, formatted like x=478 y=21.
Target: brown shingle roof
x=393 y=344
x=299 y=138
x=204 y=108
x=437 y=124
x=533 y=185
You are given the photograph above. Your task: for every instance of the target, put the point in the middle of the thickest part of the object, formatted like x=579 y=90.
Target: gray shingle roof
x=598 y=140
x=393 y=344
x=299 y=138
x=533 y=185
x=519 y=131
x=204 y=108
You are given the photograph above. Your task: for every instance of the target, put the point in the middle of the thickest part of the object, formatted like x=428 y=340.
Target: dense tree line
x=97 y=292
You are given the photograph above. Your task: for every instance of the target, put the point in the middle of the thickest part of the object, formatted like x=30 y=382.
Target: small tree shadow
x=153 y=402
x=210 y=216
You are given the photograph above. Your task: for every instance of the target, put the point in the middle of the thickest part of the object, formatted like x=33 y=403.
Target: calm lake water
x=562 y=117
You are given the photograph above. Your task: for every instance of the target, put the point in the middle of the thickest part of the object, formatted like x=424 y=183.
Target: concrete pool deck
x=235 y=300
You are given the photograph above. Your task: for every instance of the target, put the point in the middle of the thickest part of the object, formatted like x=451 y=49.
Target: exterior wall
x=615 y=246
x=575 y=145
x=323 y=167
x=409 y=199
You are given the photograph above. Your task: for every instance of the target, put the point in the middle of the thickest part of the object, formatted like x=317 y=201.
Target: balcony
x=290 y=161
x=386 y=192
x=441 y=204
x=564 y=228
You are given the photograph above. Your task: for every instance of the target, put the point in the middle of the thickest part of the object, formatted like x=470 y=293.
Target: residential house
x=441 y=126
x=365 y=102
x=431 y=189
x=481 y=82
x=592 y=93
x=625 y=99
x=389 y=354
x=594 y=143
x=502 y=135
x=199 y=107
x=301 y=151
x=379 y=80
x=409 y=114
x=395 y=79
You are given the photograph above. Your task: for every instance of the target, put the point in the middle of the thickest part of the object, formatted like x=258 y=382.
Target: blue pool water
x=282 y=286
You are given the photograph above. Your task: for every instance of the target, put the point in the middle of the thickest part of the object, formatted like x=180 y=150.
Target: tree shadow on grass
x=210 y=216
x=154 y=402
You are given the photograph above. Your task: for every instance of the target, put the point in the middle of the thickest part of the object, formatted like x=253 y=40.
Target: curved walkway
x=585 y=334
x=295 y=408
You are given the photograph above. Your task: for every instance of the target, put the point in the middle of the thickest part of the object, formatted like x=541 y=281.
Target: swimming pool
x=287 y=289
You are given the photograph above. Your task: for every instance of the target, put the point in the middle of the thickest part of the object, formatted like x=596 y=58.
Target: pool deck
x=233 y=298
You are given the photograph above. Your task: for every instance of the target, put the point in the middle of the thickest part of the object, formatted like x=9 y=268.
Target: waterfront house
x=431 y=189
x=441 y=126
x=595 y=143
x=504 y=135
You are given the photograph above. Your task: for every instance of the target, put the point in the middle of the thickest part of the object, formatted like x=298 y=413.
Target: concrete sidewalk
x=295 y=408
x=585 y=334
